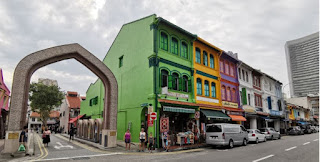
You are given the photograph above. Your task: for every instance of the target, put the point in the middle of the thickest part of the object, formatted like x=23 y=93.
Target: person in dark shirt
x=24 y=138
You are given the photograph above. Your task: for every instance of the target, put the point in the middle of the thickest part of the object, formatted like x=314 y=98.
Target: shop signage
x=229 y=104
x=150 y=109
x=13 y=135
x=197 y=115
x=235 y=113
x=150 y=122
x=164 y=124
x=153 y=116
x=274 y=113
x=173 y=94
x=249 y=109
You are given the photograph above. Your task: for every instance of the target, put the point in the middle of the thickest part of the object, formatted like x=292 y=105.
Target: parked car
x=256 y=136
x=295 y=130
x=224 y=134
x=306 y=129
x=313 y=129
x=270 y=133
x=317 y=128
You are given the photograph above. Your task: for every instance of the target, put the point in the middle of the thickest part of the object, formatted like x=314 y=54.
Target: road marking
x=45 y=150
x=306 y=143
x=315 y=140
x=288 y=149
x=65 y=158
x=41 y=153
x=266 y=157
x=60 y=146
x=223 y=150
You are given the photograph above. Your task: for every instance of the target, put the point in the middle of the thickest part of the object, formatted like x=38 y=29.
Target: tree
x=44 y=98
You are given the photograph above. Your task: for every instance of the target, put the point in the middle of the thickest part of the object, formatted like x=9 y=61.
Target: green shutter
x=189 y=85
x=180 y=84
x=170 y=82
x=244 y=96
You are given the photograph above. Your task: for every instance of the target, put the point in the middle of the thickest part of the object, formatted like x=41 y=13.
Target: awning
x=178 y=109
x=215 y=114
x=237 y=118
x=265 y=118
x=302 y=122
x=72 y=120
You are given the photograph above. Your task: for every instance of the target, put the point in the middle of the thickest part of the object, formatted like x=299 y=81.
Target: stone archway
x=29 y=64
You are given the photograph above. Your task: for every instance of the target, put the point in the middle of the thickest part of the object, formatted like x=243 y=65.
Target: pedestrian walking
x=71 y=132
x=46 y=136
x=127 y=139
x=151 y=142
x=24 y=138
x=164 y=138
x=142 y=138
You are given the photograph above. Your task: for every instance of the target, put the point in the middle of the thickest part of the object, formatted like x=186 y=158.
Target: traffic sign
x=153 y=116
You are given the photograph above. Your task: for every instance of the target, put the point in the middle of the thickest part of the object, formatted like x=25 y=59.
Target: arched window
x=213 y=90
x=211 y=61
x=199 y=86
x=198 y=56
x=205 y=58
x=243 y=75
x=174 y=46
x=239 y=73
x=185 y=83
x=231 y=69
x=184 y=50
x=226 y=68
x=247 y=78
x=175 y=81
x=164 y=78
x=221 y=66
x=223 y=92
x=233 y=95
x=206 y=88
x=164 y=41
x=228 y=94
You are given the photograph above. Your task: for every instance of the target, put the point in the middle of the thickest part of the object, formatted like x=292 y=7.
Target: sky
x=256 y=30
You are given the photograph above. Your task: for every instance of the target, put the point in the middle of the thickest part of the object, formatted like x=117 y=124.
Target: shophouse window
x=228 y=94
x=221 y=67
x=269 y=103
x=226 y=68
x=213 y=90
x=223 y=92
x=240 y=94
x=33 y=119
x=206 y=88
x=231 y=69
x=233 y=94
x=247 y=78
x=120 y=61
x=199 y=86
x=243 y=74
x=239 y=73
x=205 y=58
x=164 y=78
x=164 y=41
x=175 y=81
x=298 y=113
x=211 y=61
x=279 y=105
x=184 y=50
x=174 y=46
x=185 y=83
x=258 y=100
x=198 y=56
x=249 y=100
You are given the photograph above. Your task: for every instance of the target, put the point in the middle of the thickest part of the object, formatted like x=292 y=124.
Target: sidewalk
x=1 y=145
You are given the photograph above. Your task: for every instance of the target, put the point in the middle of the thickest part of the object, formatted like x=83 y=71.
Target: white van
x=225 y=134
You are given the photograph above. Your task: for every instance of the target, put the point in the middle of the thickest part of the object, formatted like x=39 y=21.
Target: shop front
x=250 y=115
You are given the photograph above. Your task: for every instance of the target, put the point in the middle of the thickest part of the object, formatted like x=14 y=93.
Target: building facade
x=4 y=105
x=302 y=57
x=70 y=108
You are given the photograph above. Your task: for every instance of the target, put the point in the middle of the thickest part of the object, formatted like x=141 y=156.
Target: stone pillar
x=111 y=136
x=277 y=125
x=253 y=123
x=11 y=143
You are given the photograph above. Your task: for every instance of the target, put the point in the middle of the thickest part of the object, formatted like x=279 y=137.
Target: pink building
x=4 y=105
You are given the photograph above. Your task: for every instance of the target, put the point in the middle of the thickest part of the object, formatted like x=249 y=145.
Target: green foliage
x=44 y=98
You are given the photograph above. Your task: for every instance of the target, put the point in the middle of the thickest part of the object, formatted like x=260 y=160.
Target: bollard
x=100 y=137
x=105 y=140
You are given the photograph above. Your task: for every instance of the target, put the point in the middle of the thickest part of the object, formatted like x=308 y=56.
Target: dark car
x=296 y=130
x=313 y=129
x=306 y=129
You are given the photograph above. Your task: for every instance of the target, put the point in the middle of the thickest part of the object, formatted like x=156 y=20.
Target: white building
x=70 y=108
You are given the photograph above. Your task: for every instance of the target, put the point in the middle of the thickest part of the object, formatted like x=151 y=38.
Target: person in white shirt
x=142 y=139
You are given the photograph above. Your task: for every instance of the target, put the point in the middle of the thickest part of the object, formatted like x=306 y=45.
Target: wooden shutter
x=189 y=86
x=170 y=82
x=180 y=84
x=244 y=96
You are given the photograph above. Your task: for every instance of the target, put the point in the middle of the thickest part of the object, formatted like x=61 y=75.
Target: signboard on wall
x=164 y=124
x=229 y=104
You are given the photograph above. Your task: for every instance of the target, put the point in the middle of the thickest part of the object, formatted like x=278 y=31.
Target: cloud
x=256 y=30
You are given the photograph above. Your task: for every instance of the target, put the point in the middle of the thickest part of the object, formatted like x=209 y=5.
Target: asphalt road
x=303 y=148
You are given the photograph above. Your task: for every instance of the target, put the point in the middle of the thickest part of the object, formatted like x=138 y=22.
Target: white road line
x=288 y=149
x=315 y=140
x=306 y=143
x=65 y=158
x=266 y=157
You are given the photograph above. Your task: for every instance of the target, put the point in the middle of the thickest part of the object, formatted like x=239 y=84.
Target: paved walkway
x=1 y=145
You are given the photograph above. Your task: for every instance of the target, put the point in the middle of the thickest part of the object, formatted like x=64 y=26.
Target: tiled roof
x=73 y=102
x=53 y=114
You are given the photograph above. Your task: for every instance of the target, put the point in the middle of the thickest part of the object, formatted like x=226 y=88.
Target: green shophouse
x=151 y=59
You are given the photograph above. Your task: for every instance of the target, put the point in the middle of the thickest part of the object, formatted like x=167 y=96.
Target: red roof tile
x=53 y=114
x=73 y=101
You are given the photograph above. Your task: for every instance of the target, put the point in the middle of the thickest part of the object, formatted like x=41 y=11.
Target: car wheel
x=257 y=141
x=245 y=142
x=230 y=144
x=272 y=137
x=265 y=139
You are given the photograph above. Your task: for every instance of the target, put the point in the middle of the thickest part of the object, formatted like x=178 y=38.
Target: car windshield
x=214 y=128
x=263 y=130
x=250 y=131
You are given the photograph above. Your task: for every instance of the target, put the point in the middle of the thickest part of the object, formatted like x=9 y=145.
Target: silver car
x=270 y=133
x=224 y=134
x=256 y=136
